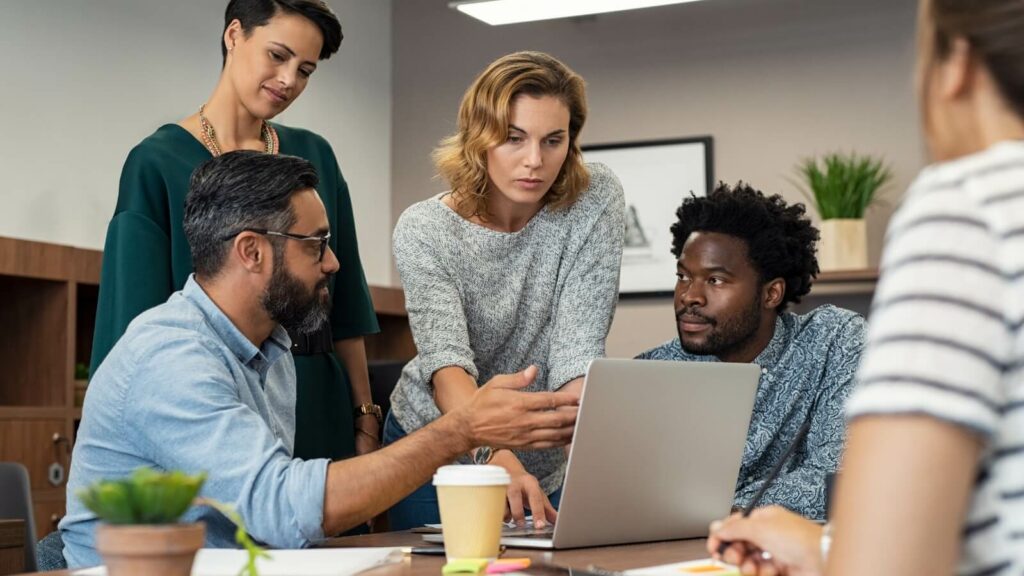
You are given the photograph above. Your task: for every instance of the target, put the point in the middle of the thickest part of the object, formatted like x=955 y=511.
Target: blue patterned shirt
x=807 y=371
x=184 y=389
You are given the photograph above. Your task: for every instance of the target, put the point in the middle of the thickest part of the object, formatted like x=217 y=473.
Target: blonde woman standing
x=517 y=265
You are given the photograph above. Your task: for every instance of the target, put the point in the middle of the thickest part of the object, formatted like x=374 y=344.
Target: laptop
x=655 y=456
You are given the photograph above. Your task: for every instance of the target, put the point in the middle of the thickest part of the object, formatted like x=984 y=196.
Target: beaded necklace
x=209 y=135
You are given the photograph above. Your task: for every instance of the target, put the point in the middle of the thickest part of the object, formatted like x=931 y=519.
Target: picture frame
x=656 y=176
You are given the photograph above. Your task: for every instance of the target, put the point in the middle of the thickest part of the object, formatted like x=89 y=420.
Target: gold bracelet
x=375 y=437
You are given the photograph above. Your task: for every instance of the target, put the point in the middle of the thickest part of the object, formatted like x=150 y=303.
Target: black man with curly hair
x=742 y=258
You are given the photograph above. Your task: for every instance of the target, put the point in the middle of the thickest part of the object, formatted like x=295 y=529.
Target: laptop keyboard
x=528 y=532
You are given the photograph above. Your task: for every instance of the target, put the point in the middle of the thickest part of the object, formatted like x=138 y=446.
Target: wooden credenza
x=48 y=297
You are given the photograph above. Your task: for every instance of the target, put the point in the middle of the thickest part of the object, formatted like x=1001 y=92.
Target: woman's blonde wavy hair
x=461 y=158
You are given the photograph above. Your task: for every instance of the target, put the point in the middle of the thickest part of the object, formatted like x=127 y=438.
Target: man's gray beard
x=284 y=301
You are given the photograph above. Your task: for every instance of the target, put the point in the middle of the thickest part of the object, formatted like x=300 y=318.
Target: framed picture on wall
x=656 y=175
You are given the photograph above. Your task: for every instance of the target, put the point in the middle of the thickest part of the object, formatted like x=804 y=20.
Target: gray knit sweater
x=494 y=302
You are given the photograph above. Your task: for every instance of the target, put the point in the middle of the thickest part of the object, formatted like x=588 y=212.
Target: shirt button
x=764 y=370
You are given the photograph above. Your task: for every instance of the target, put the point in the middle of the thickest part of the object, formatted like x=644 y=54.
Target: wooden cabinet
x=394 y=341
x=47 y=309
x=48 y=297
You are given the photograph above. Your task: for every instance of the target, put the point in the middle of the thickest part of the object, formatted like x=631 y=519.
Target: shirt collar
x=269 y=352
x=772 y=353
x=768 y=357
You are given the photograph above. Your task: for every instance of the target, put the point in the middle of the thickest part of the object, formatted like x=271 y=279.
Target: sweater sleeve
x=433 y=301
x=586 y=304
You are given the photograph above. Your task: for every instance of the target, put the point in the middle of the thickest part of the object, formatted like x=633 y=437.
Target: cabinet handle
x=59 y=439
x=54 y=520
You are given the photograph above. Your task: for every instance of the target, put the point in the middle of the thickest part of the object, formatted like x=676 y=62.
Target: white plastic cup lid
x=471 y=475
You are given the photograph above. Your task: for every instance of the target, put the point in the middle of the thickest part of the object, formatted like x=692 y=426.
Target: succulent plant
x=150 y=497
x=145 y=497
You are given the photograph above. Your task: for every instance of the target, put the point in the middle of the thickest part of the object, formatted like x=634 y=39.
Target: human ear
x=232 y=34
x=773 y=293
x=956 y=71
x=250 y=250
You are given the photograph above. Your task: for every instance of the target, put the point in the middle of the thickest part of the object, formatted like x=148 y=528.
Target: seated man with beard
x=742 y=258
x=205 y=381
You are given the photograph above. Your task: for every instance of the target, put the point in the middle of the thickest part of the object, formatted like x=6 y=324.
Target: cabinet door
x=48 y=514
x=31 y=442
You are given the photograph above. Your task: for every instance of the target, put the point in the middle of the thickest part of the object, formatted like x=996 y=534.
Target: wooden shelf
x=33 y=412
x=388 y=301
x=845 y=282
x=834 y=276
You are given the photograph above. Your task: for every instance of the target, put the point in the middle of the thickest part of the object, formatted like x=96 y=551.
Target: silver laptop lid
x=656 y=451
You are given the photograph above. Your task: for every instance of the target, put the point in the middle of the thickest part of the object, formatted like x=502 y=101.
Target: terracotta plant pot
x=154 y=550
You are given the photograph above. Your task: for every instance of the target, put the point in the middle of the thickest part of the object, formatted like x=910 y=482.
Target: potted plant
x=139 y=531
x=842 y=187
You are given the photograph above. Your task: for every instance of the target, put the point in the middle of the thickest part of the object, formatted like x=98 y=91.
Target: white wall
x=83 y=82
x=771 y=80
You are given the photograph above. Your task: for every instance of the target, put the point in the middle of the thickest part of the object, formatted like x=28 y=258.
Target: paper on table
x=310 y=562
x=706 y=567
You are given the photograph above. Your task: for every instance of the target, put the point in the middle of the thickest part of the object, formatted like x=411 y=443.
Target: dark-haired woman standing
x=271 y=49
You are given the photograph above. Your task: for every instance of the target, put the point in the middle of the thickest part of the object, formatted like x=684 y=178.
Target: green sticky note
x=465 y=566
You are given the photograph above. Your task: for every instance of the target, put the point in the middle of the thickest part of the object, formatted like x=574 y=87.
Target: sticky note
x=465 y=566
x=504 y=565
x=713 y=569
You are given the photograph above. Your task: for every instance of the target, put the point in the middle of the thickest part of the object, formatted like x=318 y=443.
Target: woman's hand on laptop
x=771 y=541
x=524 y=492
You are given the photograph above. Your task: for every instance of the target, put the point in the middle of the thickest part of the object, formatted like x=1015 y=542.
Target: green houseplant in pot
x=842 y=187
x=139 y=531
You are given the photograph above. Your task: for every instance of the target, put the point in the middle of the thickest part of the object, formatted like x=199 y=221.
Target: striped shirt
x=946 y=337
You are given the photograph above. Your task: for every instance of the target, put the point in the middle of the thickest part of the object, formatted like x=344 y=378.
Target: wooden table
x=610 y=557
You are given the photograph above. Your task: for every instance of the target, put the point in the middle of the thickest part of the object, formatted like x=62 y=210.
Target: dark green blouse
x=146 y=258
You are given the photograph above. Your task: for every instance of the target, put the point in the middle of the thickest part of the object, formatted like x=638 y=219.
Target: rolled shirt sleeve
x=194 y=420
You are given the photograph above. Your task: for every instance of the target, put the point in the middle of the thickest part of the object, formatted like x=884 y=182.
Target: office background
x=771 y=81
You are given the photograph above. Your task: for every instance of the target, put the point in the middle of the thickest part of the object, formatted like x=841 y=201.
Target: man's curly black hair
x=781 y=241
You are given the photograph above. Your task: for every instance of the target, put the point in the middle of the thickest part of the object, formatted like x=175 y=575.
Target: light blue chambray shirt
x=184 y=389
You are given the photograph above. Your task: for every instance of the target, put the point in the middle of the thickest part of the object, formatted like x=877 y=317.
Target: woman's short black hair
x=254 y=13
x=781 y=241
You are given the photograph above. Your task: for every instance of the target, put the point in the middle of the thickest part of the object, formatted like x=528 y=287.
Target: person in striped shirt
x=933 y=475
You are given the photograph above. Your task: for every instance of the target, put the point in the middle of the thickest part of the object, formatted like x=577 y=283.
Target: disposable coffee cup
x=471 y=499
